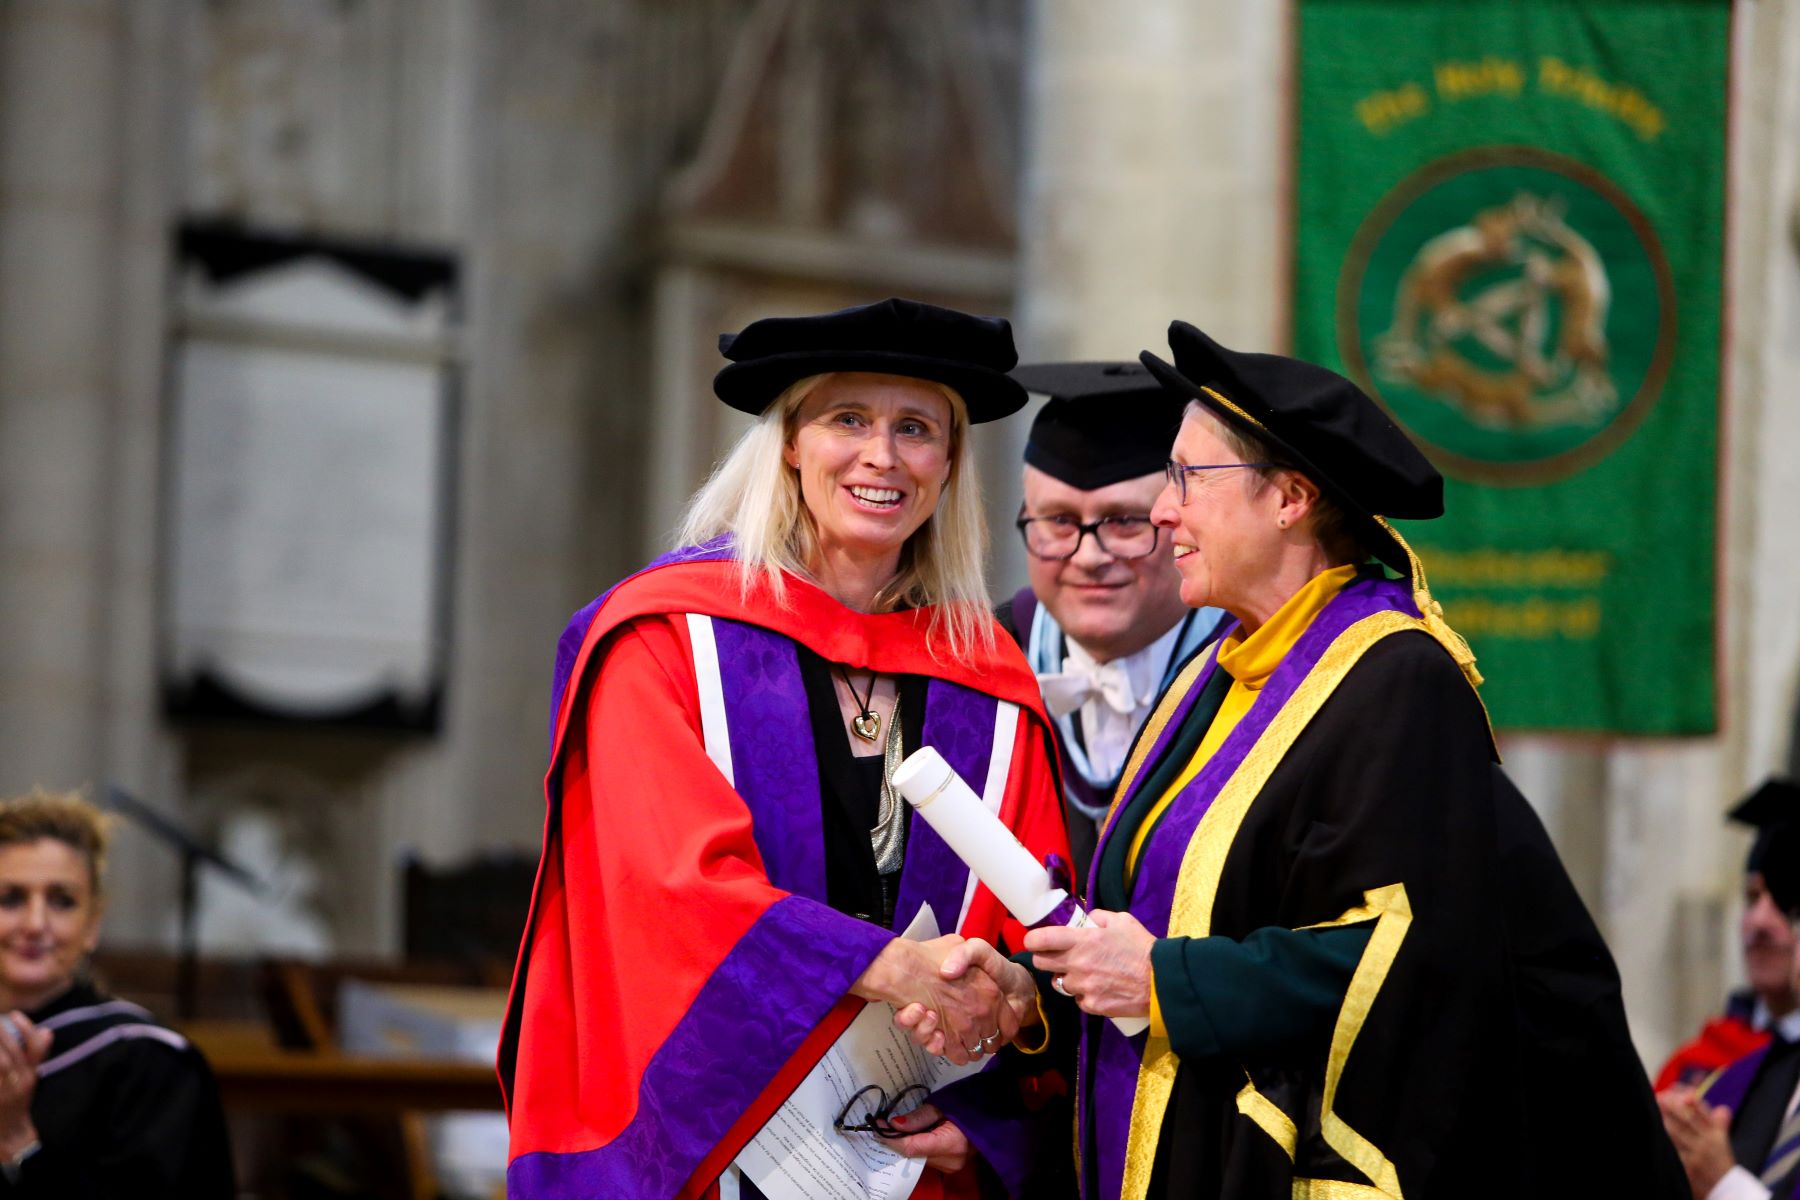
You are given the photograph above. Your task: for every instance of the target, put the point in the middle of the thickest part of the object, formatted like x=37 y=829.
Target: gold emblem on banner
x=1512 y=309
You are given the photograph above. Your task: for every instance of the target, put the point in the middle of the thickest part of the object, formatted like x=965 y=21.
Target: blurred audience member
x=96 y=1099
x=1768 y=944
x=1739 y=1133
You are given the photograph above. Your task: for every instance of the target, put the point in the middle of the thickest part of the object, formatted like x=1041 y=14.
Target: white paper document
x=800 y=1155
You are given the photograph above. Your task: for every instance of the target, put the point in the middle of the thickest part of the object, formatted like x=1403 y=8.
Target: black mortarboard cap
x=1105 y=422
x=1319 y=422
x=1773 y=805
x=1778 y=862
x=892 y=337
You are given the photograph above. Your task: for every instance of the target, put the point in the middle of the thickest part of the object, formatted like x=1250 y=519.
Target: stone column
x=1154 y=158
x=60 y=91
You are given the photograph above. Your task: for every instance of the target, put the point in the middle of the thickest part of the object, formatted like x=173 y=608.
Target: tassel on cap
x=1433 y=613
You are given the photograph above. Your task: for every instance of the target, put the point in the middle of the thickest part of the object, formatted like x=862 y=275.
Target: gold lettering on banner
x=1533 y=620
x=1518 y=568
x=1381 y=112
x=1455 y=80
x=1489 y=76
x=1572 y=615
x=1620 y=100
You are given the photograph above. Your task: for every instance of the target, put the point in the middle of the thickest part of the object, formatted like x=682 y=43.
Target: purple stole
x=714 y=1064
x=1731 y=1085
x=1109 y=1061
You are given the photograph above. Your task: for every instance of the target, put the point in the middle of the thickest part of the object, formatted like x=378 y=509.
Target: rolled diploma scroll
x=989 y=849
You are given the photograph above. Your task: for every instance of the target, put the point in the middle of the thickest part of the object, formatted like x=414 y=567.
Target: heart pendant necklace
x=866 y=724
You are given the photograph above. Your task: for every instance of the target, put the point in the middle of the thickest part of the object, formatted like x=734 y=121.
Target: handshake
x=961 y=999
x=957 y=998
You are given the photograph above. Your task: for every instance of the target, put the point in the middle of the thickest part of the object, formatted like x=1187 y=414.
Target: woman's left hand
x=945 y=1148
x=1104 y=967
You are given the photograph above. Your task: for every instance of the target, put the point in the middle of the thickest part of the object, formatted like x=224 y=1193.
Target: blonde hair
x=63 y=816
x=754 y=496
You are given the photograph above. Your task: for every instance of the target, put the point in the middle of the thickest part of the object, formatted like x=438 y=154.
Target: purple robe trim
x=1157 y=749
x=960 y=724
x=779 y=981
x=979 y=1106
x=766 y=709
x=1734 y=1081
x=1110 y=1060
x=1153 y=884
x=1733 y=1084
x=568 y=646
x=772 y=756
x=782 y=978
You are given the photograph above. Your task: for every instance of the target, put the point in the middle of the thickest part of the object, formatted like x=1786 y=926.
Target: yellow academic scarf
x=1249 y=661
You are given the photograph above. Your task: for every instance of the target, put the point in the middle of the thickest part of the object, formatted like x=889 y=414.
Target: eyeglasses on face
x=876 y=1111
x=1059 y=536
x=1178 y=473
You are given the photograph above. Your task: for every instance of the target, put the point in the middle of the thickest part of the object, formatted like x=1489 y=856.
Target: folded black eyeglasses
x=878 y=1112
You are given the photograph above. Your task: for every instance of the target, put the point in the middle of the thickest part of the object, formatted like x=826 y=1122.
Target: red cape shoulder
x=888 y=642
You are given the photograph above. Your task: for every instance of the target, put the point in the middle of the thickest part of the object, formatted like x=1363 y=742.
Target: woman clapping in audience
x=96 y=1099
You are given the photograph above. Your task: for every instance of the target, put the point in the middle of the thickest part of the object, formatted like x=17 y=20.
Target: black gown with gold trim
x=1480 y=1046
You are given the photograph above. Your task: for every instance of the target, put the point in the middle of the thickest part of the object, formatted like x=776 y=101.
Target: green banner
x=1510 y=232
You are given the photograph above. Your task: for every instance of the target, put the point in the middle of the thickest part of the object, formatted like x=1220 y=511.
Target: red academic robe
x=1721 y=1042
x=681 y=971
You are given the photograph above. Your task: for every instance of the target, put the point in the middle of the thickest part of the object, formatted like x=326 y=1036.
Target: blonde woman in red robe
x=725 y=862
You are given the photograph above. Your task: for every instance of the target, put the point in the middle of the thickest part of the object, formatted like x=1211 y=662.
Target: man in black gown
x=1739 y=1133
x=1102 y=622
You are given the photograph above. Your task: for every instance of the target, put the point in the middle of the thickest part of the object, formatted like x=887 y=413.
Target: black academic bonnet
x=1779 y=864
x=893 y=337
x=1105 y=422
x=1774 y=806
x=1317 y=421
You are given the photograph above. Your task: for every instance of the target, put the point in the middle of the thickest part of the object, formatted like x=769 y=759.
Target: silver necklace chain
x=887 y=838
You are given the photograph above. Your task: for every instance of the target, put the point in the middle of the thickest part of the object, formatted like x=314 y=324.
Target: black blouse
x=850 y=790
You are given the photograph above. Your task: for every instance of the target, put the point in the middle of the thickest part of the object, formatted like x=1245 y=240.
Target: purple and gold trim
x=1118 y=1073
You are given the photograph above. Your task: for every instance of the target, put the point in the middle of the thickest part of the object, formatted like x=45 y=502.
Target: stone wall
x=529 y=138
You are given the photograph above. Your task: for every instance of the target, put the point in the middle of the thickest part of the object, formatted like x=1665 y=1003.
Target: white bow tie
x=1080 y=682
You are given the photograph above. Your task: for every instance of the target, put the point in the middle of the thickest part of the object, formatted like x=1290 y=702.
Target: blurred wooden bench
x=268 y=1028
